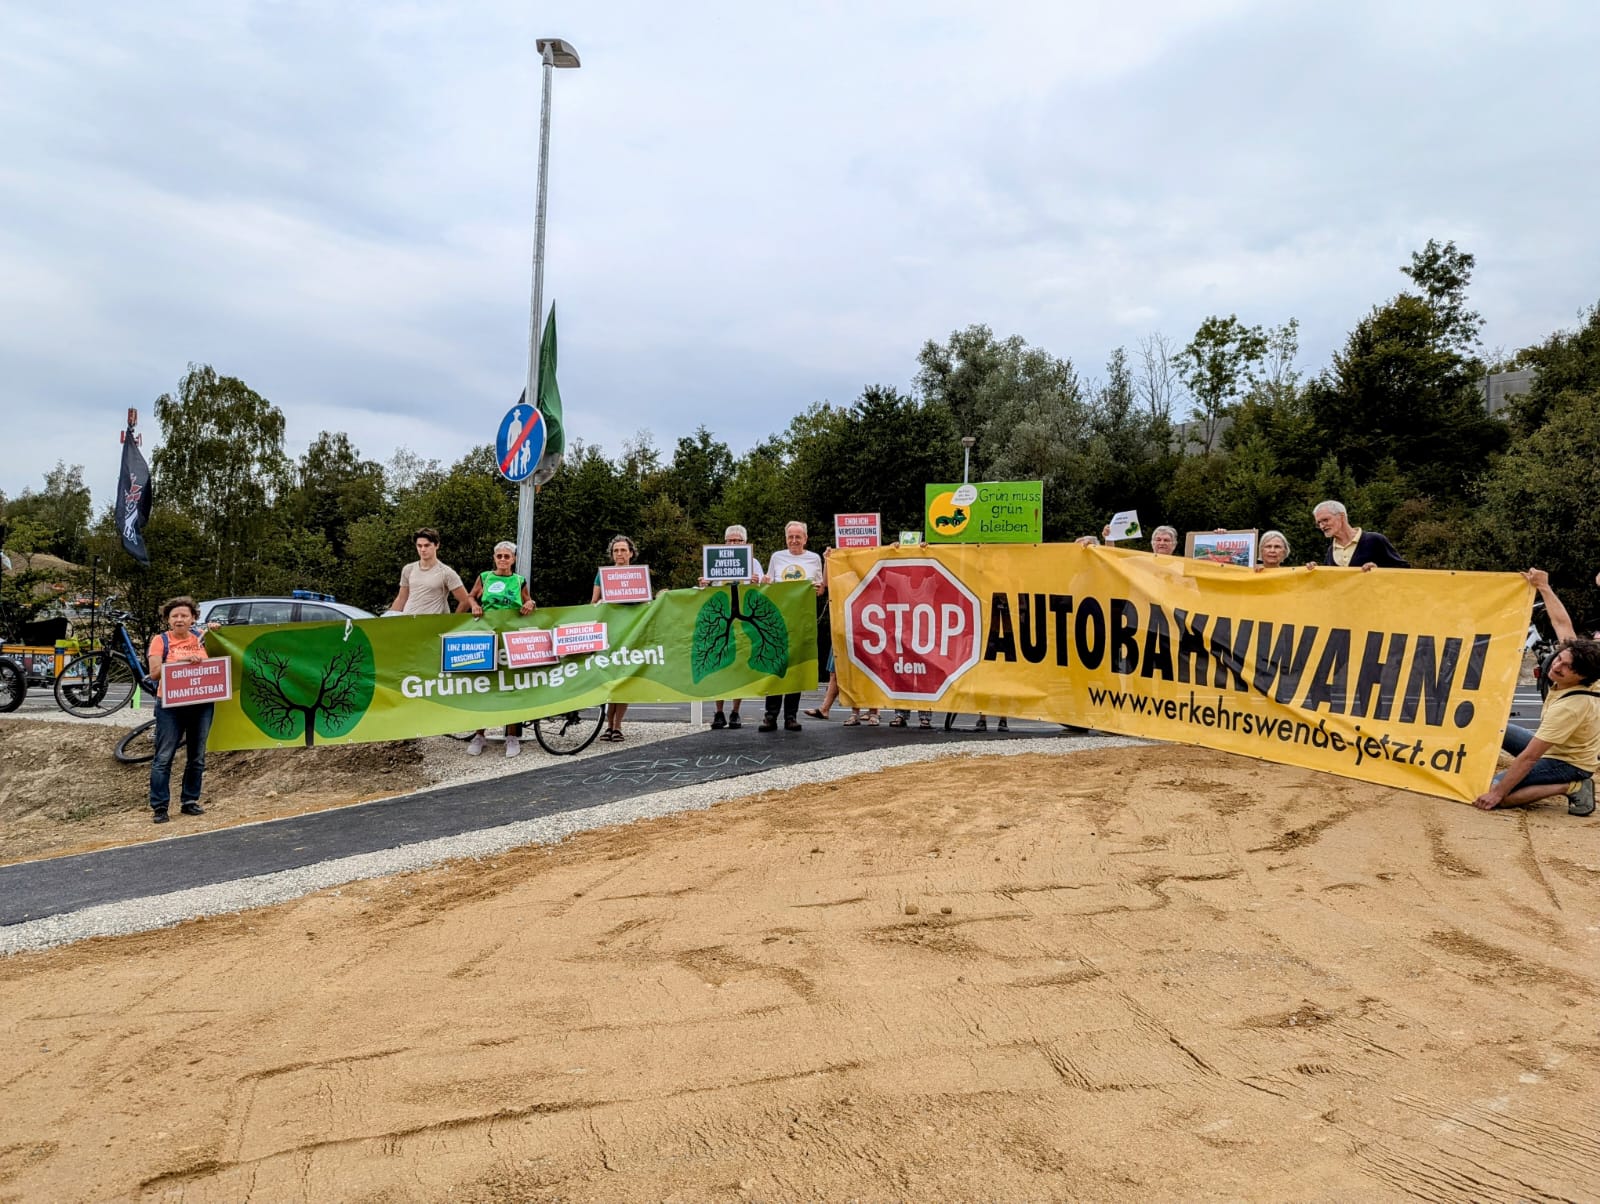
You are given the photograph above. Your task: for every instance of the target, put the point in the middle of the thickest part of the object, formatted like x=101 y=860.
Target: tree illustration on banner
x=716 y=645
x=309 y=681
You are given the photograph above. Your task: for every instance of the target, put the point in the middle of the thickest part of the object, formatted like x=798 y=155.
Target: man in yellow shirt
x=1562 y=756
x=1350 y=546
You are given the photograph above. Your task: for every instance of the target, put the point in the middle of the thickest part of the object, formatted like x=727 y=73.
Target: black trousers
x=791 y=705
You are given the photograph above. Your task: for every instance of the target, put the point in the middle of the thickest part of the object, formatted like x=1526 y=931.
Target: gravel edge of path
x=244 y=894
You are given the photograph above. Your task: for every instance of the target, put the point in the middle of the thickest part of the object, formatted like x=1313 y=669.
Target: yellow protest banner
x=1402 y=677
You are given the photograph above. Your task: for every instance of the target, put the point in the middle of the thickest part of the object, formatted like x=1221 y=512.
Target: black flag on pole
x=133 y=497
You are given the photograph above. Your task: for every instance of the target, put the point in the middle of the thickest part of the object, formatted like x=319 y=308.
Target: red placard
x=573 y=638
x=856 y=530
x=194 y=682
x=525 y=649
x=625 y=583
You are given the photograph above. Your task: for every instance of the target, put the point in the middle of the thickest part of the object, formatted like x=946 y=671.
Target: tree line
x=1223 y=431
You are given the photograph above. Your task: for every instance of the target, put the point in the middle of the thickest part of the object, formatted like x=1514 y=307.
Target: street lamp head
x=968 y=440
x=561 y=53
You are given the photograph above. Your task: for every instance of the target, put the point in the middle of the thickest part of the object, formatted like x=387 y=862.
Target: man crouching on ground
x=1566 y=748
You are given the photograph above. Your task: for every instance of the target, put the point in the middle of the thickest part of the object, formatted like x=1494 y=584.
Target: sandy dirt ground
x=61 y=790
x=1151 y=973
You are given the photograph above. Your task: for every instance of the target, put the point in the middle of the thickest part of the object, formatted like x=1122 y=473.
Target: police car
x=301 y=606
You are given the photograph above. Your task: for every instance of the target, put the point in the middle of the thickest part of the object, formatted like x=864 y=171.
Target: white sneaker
x=474 y=746
x=513 y=746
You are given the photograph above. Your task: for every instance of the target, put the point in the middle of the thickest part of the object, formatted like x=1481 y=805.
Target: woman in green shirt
x=501 y=589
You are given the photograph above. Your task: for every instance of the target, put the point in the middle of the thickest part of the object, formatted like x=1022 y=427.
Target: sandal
x=612 y=734
x=898 y=721
x=853 y=721
x=925 y=723
x=872 y=721
x=817 y=713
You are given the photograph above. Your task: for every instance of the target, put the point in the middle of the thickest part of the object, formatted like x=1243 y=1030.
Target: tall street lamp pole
x=553 y=53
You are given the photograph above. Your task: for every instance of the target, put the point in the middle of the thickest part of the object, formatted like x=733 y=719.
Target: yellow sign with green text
x=1402 y=677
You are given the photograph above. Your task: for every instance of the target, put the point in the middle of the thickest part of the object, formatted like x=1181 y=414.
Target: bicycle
x=563 y=735
x=1544 y=645
x=13 y=685
x=138 y=746
x=102 y=682
x=568 y=734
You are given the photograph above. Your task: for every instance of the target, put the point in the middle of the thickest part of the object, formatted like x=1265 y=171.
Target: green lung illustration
x=308 y=681
x=715 y=643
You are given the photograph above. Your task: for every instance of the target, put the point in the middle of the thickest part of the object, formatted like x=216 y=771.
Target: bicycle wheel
x=95 y=684
x=138 y=746
x=13 y=685
x=564 y=735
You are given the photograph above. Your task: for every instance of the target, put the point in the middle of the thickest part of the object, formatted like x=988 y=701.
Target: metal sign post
x=553 y=53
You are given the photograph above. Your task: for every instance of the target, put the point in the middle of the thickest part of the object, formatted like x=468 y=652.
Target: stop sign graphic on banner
x=912 y=627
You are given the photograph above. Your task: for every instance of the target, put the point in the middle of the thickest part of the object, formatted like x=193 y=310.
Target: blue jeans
x=179 y=725
x=1546 y=771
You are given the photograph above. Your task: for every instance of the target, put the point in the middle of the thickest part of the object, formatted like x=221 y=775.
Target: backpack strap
x=1579 y=694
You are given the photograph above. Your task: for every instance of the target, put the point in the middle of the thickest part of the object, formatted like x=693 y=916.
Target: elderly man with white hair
x=734 y=534
x=1351 y=547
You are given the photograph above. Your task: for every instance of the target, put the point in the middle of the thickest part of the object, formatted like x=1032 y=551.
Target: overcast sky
x=750 y=210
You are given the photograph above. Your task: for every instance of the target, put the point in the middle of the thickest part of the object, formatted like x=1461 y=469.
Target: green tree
x=59 y=512
x=333 y=487
x=575 y=515
x=1566 y=364
x=1442 y=271
x=222 y=460
x=700 y=470
x=1129 y=459
x=756 y=497
x=956 y=374
x=1216 y=367
x=1538 y=504
x=1400 y=391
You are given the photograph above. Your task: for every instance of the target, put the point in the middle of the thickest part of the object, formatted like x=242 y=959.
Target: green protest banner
x=386 y=679
x=985 y=512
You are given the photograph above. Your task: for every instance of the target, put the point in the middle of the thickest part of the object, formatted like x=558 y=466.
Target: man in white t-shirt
x=428 y=584
x=793 y=563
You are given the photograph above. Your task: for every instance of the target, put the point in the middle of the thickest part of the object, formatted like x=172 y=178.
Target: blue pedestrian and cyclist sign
x=520 y=443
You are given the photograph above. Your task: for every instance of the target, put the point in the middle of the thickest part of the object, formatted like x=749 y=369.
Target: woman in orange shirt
x=188 y=725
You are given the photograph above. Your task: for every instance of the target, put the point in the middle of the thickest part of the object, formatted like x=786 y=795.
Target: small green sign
x=985 y=512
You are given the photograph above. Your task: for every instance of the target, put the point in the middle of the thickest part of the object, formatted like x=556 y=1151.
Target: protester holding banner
x=735 y=534
x=187 y=725
x=427 y=584
x=1274 y=551
x=1163 y=540
x=1563 y=755
x=794 y=563
x=622 y=552
x=502 y=589
x=1351 y=547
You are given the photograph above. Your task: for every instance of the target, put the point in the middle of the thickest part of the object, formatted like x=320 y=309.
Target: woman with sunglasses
x=501 y=589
